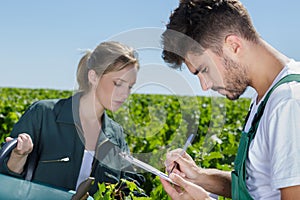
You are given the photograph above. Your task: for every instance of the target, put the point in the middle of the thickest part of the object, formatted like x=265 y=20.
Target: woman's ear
x=93 y=77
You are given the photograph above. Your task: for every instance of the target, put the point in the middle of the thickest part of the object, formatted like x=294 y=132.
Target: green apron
x=238 y=176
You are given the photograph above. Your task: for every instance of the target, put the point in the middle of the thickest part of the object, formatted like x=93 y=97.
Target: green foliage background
x=155 y=124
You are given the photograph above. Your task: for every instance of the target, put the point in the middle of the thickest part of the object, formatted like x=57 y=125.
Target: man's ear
x=233 y=43
x=93 y=77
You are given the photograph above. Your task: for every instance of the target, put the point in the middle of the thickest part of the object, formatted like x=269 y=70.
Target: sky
x=41 y=42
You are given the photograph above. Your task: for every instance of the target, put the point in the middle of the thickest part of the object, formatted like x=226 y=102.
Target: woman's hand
x=185 y=189
x=19 y=155
x=24 y=145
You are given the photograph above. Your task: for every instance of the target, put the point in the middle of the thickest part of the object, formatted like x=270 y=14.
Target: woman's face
x=114 y=87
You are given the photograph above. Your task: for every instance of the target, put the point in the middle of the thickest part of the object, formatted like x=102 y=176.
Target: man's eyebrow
x=196 y=72
x=198 y=69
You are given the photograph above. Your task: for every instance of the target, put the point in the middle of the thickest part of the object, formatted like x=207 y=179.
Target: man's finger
x=169 y=189
x=191 y=188
x=176 y=157
x=180 y=173
x=177 y=179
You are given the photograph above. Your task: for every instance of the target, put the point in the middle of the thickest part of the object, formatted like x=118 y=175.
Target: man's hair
x=197 y=25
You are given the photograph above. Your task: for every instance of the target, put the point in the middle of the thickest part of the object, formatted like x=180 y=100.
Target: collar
x=68 y=112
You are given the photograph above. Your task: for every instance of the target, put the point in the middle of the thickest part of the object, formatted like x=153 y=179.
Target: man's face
x=219 y=73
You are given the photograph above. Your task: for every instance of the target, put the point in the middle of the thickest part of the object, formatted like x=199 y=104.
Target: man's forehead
x=190 y=57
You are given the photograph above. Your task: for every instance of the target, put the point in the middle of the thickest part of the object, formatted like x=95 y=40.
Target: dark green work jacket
x=55 y=129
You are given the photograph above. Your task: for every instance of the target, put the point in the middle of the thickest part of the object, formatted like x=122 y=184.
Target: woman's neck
x=89 y=109
x=90 y=118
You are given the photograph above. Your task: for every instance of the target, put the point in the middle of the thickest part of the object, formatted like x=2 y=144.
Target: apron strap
x=261 y=108
x=239 y=188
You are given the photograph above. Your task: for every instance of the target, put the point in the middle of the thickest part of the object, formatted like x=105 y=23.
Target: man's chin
x=230 y=94
x=233 y=96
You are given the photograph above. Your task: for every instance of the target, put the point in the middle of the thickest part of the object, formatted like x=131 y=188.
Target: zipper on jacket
x=66 y=159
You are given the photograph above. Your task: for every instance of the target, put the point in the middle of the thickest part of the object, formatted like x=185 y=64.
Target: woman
x=66 y=135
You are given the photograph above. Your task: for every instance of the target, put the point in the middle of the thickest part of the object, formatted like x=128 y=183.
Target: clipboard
x=146 y=167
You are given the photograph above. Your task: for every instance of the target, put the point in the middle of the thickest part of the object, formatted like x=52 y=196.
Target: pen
x=186 y=145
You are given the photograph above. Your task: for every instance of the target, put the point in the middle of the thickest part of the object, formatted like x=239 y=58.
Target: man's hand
x=185 y=189
x=212 y=180
x=186 y=166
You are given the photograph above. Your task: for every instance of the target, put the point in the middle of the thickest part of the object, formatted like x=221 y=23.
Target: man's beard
x=235 y=79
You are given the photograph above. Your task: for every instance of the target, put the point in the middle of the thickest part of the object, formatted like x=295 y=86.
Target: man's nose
x=204 y=82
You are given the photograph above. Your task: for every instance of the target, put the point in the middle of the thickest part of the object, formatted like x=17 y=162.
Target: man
x=219 y=44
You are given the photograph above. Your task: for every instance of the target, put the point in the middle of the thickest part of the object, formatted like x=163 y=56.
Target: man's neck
x=265 y=65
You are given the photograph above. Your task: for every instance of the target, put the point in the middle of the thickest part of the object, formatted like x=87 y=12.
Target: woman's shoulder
x=44 y=104
x=110 y=123
x=48 y=104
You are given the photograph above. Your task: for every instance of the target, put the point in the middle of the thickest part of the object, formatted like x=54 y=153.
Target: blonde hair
x=106 y=57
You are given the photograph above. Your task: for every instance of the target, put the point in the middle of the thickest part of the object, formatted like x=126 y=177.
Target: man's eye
x=116 y=83
x=204 y=70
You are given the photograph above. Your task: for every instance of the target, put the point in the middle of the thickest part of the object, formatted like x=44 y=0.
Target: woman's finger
x=8 y=139
x=25 y=145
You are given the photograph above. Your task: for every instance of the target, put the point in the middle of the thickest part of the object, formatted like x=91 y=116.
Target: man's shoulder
x=285 y=94
x=293 y=67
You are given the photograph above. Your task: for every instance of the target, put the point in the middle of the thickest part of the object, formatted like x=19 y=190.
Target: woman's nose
x=125 y=93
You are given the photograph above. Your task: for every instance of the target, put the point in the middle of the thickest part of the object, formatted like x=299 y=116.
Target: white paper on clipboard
x=146 y=167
